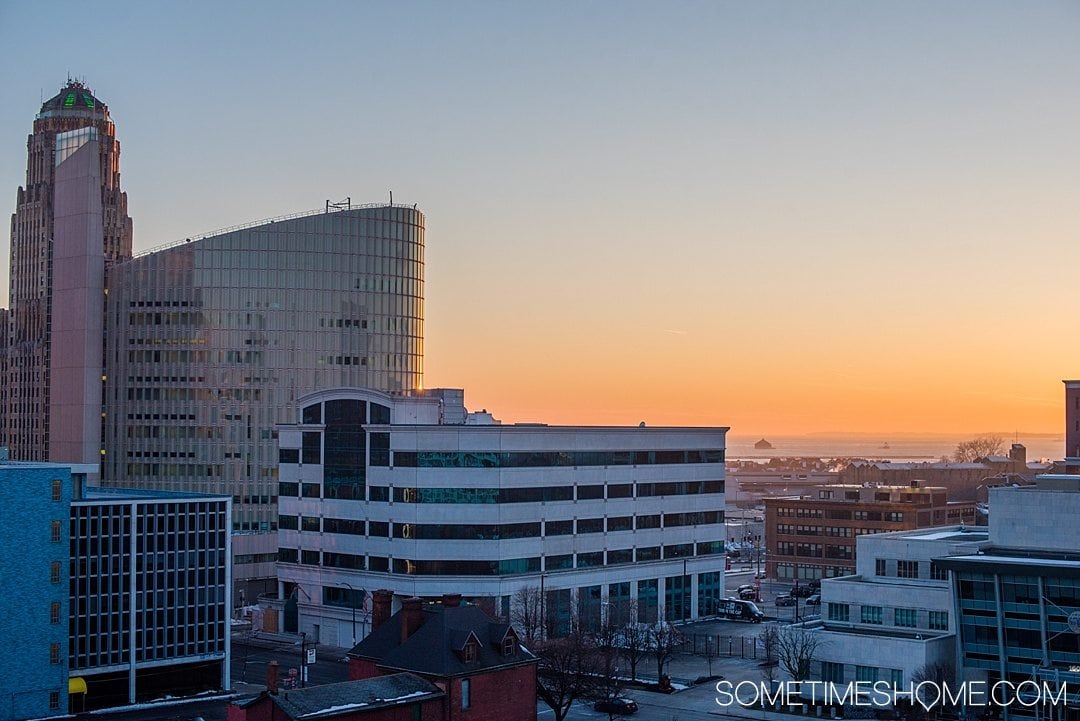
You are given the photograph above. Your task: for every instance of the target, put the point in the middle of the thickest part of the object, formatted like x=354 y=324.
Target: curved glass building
x=211 y=340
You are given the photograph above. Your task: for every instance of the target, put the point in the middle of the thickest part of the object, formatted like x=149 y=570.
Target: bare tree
x=769 y=637
x=796 y=648
x=978 y=447
x=633 y=645
x=569 y=669
x=938 y=674
x=526 y=608
x=664 y=639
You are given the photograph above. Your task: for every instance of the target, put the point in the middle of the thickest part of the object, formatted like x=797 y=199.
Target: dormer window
x=468 y=653
x=509 y=645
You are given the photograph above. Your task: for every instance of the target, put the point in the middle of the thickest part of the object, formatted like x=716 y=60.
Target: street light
x=352 y=604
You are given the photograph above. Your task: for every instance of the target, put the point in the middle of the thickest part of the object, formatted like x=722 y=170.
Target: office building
x=212 y=341
x=893 y=619
x=810 y=538
x=70 y=223
x=1018 y=601
x=34 y=518
x=149 y=605
x=113 y=597
x=406 y=494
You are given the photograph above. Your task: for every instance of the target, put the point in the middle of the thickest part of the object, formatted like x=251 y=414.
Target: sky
x=782 y=217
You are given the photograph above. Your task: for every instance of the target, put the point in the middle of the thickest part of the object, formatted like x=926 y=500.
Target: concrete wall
x=78 y=301
x=1035 y=518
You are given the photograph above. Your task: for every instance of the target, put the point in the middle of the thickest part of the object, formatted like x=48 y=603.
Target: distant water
x=899 y=448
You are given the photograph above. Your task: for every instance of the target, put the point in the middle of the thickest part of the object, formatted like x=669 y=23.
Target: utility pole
x=304 y=660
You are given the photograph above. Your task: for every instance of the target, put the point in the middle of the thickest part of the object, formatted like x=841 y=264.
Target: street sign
x=311 y=656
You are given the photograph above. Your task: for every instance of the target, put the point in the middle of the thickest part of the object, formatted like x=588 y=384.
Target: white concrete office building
x=893 y=619
x=411 y=493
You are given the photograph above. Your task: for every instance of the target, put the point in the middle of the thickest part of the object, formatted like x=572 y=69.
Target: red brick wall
x=361 y=668
x=507 y=695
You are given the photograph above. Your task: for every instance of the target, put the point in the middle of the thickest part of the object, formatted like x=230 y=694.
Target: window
x=939 y=621
x=896 y=677
x=54 y=532
x=879 y=567
x=54 y=572
x=509 y=646
x=468 y=654
x=54 y=653
x=907 y=569
x=54 y=700
x=54 y=612
x=938 y=572
x=832 y=672
x=869 y=674
x=871 y=614
x=57 y=489
x=905 y=617
x=466 y=695
x=839 y=612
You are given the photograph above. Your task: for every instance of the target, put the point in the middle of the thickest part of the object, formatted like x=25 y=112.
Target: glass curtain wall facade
x=212 y=341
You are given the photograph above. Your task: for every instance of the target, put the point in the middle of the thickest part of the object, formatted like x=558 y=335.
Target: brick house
x=477 y=661
x=394 y=697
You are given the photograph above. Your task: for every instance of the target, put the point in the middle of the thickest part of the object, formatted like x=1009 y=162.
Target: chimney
x=451 y=600
x=272 y=677
x=1018 y=453
x=381 y=603
x=411 y=614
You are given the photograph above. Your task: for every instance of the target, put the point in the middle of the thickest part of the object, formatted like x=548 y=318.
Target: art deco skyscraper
x=70 y=223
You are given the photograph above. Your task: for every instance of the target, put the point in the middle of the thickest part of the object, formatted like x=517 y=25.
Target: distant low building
x=815 y=537
x=968 y=481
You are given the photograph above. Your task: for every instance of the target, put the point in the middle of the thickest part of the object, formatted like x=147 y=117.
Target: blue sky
x=742 y=208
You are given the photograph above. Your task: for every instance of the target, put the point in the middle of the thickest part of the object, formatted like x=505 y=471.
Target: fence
x=710 y=644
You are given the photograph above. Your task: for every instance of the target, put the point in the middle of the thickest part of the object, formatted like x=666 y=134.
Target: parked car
x=747 y=592
x=814 y=600
x=803 y=590
x=616 y=704
x=785 y=599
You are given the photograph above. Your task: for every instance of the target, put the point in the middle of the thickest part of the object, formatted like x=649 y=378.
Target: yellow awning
x=76 y=685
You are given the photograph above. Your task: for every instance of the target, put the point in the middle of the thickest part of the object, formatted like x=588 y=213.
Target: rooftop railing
x=330 y=208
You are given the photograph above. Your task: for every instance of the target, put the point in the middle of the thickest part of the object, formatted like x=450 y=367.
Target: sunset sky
x=782 y=217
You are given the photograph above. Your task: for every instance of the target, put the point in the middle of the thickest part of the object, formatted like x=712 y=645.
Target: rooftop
x=435 y=647
x=340 y=699
x=75 y=98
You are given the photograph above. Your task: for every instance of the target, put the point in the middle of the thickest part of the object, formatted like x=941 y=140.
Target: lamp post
x=352 y=605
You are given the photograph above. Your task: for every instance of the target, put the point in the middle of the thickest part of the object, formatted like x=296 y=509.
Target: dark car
x=785 y=599
x=803 y=591
x=616 y=704
x=814 y=600
x=747 y=592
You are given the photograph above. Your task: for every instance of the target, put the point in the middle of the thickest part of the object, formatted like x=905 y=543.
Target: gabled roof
x=324 y=703
x=434 y=648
